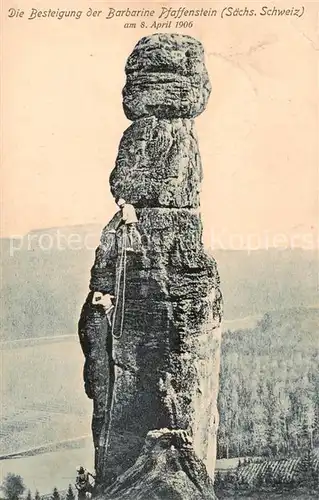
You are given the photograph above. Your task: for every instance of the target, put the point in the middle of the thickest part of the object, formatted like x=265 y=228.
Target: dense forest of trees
x=269 y=386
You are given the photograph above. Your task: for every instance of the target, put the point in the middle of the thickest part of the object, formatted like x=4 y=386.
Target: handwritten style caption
x=157 y=18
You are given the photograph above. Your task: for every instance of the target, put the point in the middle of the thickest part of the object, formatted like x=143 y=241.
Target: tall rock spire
x=160 y=368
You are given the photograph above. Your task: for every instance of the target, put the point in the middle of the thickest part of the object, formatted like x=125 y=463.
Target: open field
x=43 y=399
x=44 y=411
x=47 y=470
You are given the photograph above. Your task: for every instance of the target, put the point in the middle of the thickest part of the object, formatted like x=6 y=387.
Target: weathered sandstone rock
x=166 y=77
x=160 y=369
x=158 y=164
x=167 y=468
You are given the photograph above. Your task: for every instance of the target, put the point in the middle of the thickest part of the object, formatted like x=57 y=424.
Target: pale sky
x=62 y=119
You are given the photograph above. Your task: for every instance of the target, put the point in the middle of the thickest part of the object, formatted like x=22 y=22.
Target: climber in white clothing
x=128 y=211
x=106 y=301
x=130 y=219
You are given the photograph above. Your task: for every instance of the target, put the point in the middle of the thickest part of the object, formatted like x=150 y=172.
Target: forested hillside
x=45 y=280
x=269 y=397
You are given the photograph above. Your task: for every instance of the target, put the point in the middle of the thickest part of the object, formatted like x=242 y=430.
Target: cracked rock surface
x=158 y=164
x=167 y=469
x=162 y=373
x=166 y=77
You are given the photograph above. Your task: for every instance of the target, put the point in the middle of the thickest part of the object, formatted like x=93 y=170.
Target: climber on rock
x=125 y=218
x=121 y=227
x=106 y=301
x=82 y=482
x=130 y=220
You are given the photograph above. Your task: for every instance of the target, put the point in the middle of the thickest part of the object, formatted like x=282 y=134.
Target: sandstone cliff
x=162 y=363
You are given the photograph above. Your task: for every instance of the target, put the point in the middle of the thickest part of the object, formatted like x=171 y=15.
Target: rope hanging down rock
x=121 y=274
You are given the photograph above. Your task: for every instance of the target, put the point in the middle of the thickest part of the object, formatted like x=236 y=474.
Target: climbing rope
x=105 y=431
x=104 y=437
x=122 y=271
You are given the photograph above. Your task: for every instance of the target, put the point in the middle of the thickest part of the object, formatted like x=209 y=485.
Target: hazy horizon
x=264 y=240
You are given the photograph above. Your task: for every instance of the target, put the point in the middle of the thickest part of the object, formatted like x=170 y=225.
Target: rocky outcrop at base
x=166 y=469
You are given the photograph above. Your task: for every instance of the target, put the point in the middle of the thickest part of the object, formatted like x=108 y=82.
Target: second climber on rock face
x=106 y=301
x=130 y=220
x=82 y=483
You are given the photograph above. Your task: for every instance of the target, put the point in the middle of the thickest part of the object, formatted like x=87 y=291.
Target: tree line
x=269 y=475
x=269 y=387
x=13 y=488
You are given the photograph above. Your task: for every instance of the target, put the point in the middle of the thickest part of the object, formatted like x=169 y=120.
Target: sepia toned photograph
x=159 y=250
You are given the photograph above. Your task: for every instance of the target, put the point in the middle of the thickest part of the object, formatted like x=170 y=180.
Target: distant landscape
x=43 y=290
x=269 y=381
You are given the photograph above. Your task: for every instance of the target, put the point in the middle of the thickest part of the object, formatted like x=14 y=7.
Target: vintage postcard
x=159 y=250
